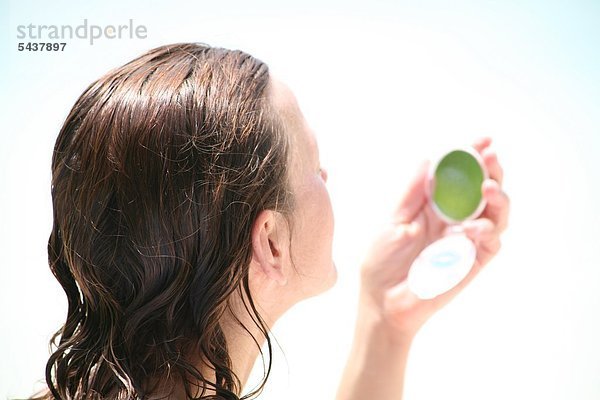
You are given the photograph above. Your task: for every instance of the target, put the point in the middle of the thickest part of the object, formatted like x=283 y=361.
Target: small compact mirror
x=454 y=193
x=455 y=186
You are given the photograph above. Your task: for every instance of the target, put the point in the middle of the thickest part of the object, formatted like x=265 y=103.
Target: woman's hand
x=389 y=314
x=414 y=226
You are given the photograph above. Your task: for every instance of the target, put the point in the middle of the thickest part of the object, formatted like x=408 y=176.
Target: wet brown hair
x=158 y=174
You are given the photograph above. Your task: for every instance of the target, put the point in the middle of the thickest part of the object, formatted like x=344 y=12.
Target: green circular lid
x=456 y=190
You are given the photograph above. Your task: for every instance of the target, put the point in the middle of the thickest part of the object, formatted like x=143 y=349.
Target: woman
x=191 y=211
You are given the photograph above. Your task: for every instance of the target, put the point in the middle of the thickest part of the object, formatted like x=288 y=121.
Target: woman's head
x=186 y=187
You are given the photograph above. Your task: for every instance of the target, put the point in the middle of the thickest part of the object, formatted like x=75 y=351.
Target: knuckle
x=496 y=245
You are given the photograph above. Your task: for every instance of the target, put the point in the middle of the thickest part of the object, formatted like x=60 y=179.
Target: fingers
x=482 y=229
x=497 y=209
x=495 y=217
x=498 y=204
x=493 y=246
x=481 y=143
x=414 y=198
x=485 y=232
x=490 y=159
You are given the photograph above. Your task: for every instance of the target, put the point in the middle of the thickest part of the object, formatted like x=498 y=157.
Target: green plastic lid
x=456 y=185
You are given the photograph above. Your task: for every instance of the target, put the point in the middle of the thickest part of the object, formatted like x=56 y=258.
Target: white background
x=385 y=84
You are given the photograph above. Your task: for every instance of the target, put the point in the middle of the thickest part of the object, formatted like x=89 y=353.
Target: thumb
x=415 y=196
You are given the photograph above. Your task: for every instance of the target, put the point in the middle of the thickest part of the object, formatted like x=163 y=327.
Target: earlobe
x=267 y=255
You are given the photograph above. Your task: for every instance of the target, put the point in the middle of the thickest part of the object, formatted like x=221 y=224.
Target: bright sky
x=384 y=84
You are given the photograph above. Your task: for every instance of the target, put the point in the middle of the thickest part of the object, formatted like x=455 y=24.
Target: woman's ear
x=269 y=246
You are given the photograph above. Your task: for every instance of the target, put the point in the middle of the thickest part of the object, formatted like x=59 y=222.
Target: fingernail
x=490 y=185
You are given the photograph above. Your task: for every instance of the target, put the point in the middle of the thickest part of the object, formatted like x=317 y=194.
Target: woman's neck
x=242 y=341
